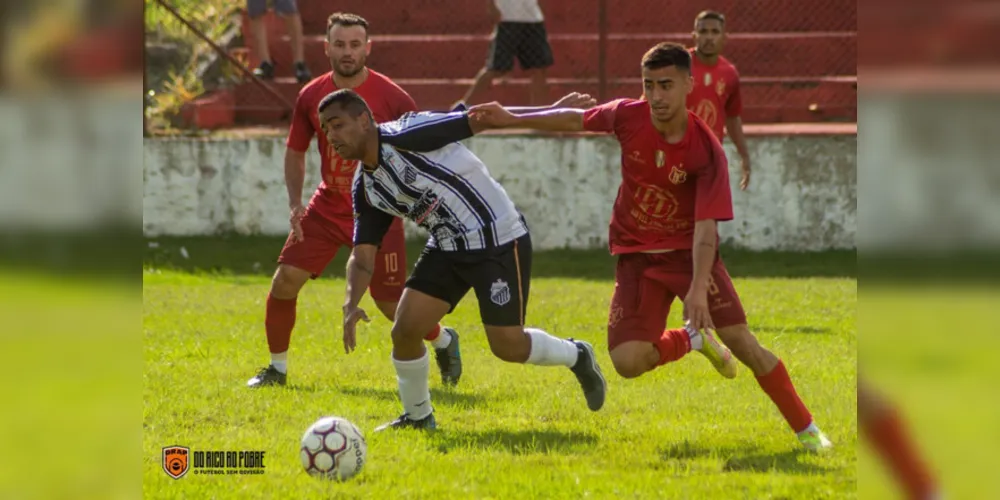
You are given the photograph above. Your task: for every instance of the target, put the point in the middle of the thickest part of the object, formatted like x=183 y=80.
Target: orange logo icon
x=175 y=461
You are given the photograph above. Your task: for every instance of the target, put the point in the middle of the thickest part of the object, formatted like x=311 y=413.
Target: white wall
x=803 y=195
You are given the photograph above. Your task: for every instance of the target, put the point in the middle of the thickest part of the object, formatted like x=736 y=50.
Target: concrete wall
x=803 y=194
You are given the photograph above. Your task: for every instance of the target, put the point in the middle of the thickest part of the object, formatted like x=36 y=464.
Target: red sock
x=888 y=437
x=433 y=334
x=673 y=345
x=779 y=387
x=279 y=321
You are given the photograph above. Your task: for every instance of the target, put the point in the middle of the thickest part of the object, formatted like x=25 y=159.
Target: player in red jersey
x=715 y=94
x=675 y=187
x=327 y=224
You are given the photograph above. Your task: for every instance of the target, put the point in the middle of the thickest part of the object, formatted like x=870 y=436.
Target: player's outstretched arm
x=493 y=115
x=571 y=100
x=360 y=268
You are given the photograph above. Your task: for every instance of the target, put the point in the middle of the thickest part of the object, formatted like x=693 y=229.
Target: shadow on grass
x=687 y=450
x=744 y=457
x=515 y=442
x=256 y=255
x=790 y=329
x=438 y=396
x=786 y=462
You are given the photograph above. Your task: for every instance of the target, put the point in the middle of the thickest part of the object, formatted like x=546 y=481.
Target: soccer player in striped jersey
x=415 y=168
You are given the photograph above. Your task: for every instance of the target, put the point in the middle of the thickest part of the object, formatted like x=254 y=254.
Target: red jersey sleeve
x=734 y=105
x=602 y=118
x=713 y=197
x=404 y=104
x=301 y=132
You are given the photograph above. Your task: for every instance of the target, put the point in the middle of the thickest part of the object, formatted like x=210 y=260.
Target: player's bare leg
x=539 y=86
x=634 y=358
x=416 y=314
x=279 y=322
x=443 y=339
x=293 y=22
x=517 y=344
x=484 y=79
x=259 y=30
x=883 y=428
x=774 y=380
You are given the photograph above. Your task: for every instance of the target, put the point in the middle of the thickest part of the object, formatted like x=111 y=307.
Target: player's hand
x=492 y=115
x=351 y=317
x=745 y=166
x=576 y=100
x=295 y=219
x=696 y=309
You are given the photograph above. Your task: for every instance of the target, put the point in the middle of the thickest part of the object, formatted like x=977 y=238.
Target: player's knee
x=628 y=364
x=402 y=333
x=510 y=354
x=509 y=344
x=287 y=282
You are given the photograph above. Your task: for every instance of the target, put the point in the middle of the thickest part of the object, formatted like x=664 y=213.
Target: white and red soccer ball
x=333 y=448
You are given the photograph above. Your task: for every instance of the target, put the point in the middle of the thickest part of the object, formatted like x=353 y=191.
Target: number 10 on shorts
x=392 y=262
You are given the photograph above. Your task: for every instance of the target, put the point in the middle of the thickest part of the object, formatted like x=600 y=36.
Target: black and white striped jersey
x=425 y=175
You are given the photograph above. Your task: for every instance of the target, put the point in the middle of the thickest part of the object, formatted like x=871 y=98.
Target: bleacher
x=797 y=58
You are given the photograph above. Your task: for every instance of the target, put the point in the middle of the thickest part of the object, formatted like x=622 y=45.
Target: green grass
x=507 y=431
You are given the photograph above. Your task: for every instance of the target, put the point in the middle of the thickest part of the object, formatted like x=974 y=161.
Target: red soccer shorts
x=323 y=238
x=646 y=285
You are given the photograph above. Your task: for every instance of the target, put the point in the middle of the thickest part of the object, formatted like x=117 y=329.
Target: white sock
x=547 y=350
x=443 y=340
x=280 y=361
x=697 y=341
x=414 y=390
x=812 y=428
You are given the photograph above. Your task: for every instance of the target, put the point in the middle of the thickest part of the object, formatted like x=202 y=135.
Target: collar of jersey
x=371 y=170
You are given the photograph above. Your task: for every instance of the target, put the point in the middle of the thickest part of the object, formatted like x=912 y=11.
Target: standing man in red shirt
x=327 y=224
x=715 y=96
x=674 y=190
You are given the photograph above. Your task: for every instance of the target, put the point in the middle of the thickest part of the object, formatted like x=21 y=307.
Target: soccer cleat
x=718 y=354
x=814 y=440
x=267 y=376
x=449 y=359
x=405 y=422
x=589 y=374
x=265 y=71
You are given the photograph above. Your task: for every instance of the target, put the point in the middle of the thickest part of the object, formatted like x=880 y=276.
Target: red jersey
x=716 y=93
x=387 y=101
x=665 y=187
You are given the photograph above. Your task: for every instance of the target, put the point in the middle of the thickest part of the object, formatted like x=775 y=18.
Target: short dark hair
x=666 y=54
x=348 y=100
x=345 y=19
x=709 y=14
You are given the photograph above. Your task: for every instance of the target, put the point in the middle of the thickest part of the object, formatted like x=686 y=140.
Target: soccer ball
x=333 y=448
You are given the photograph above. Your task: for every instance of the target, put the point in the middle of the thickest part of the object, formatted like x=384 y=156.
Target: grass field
x=506 y=431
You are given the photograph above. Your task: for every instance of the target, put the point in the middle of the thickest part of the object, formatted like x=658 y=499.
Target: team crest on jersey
x=708 y=79
x=678 y=176
x=661 y=158
x=500 y=293
x=409 y=175
x=720 y=87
